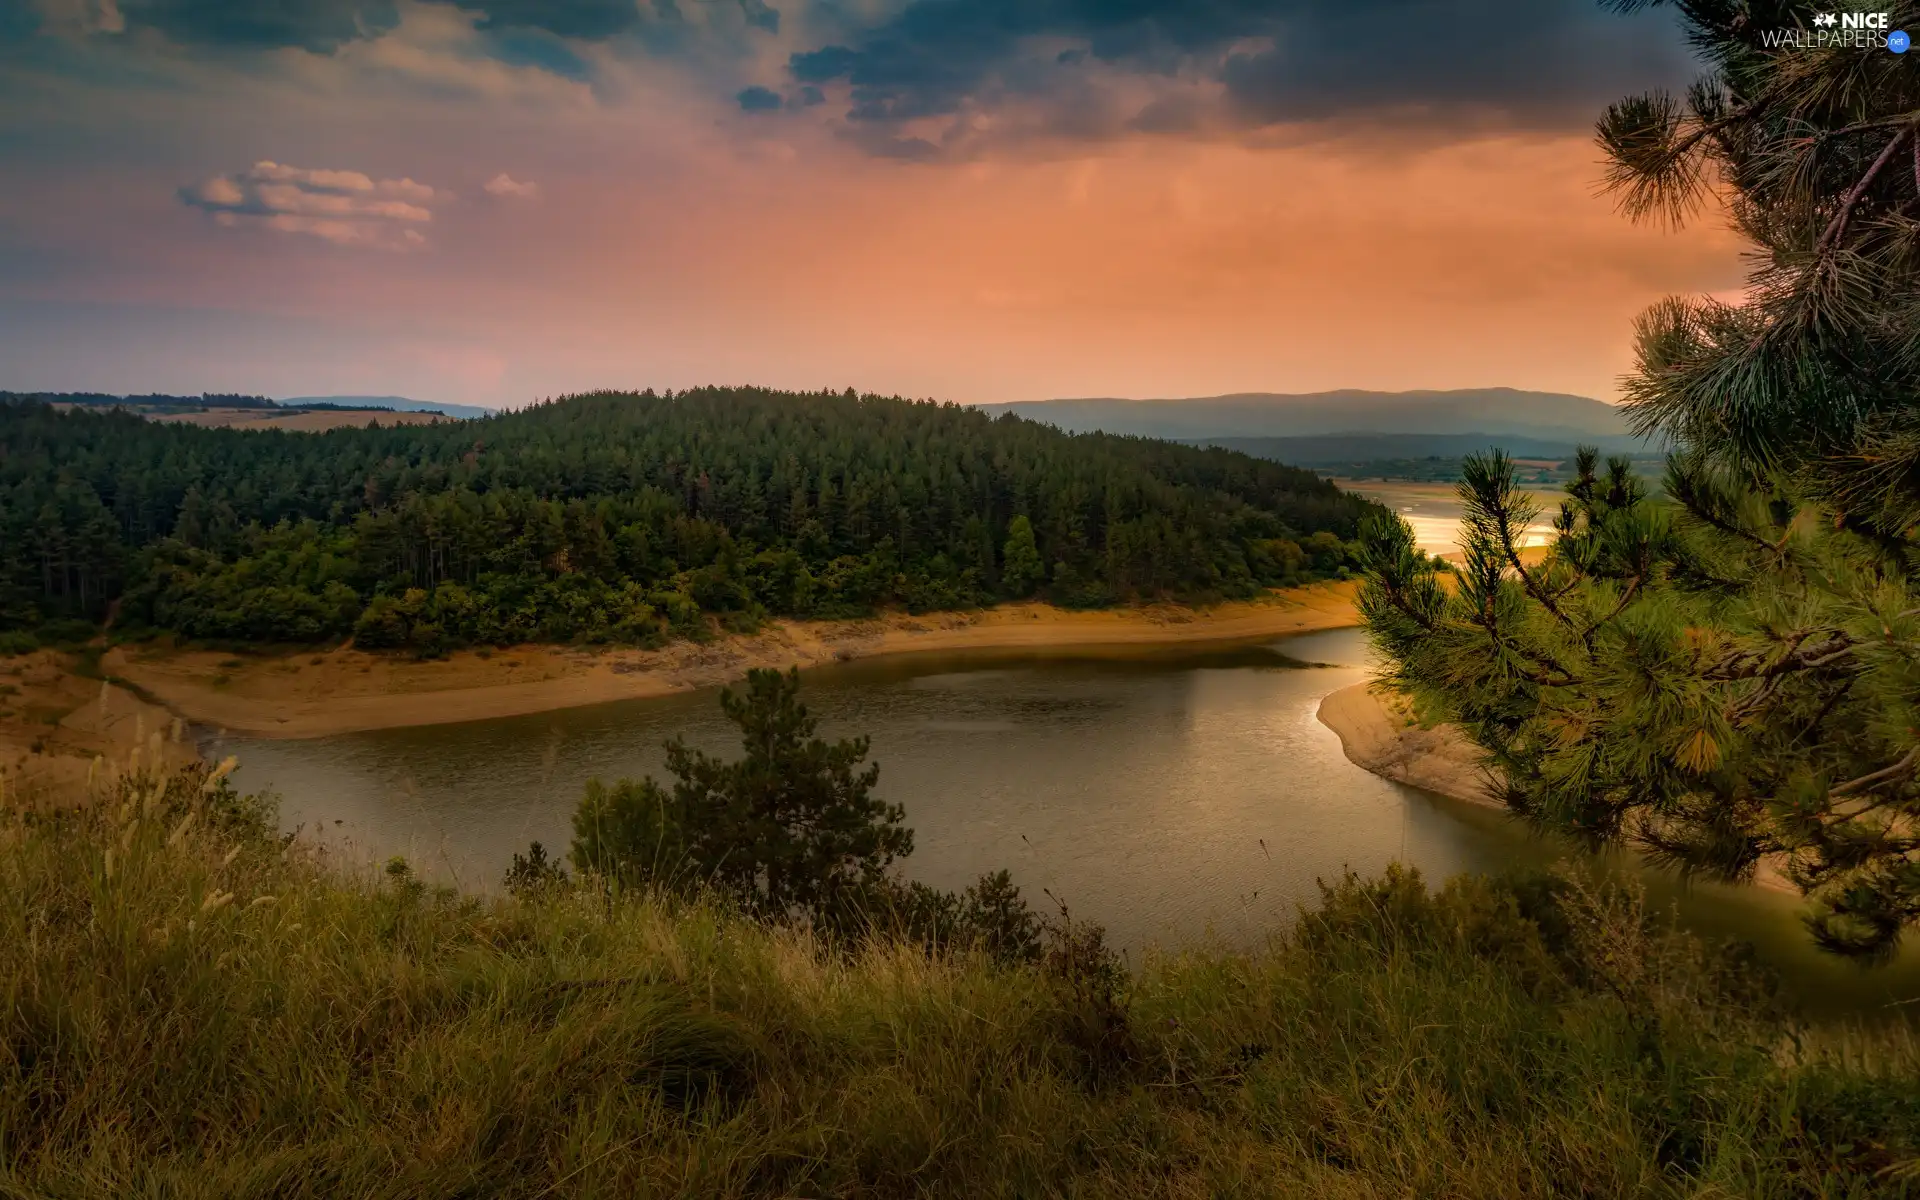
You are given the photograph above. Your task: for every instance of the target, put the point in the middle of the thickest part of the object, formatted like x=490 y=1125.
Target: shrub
x=780 y=829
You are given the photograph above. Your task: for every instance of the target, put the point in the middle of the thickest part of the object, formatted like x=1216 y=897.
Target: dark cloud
x=761 y=15
x=324 y=25
x=537 y=48
x=317 y=25
x=597 y=20
x=1531 y=62
x=589 y=19
x=1538 y=62
x=759 y=99
x=19 y=20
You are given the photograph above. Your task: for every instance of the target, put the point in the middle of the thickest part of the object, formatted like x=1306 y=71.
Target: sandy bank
x=1379 y=733
x=343 y=691
x=54 y=721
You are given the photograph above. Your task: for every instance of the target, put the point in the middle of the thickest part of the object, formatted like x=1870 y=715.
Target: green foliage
x=780 y=829
x=619 y=518
x=214 y=1013
x=533 y=874
x=1021 y=569
x=1718 y=680
x=1816 y=370
x=790 y=831
x=989 y=915
x=1732 y=675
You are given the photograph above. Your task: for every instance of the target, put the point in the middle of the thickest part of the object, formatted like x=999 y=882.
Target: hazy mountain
x=1335 y=449
x=396 y=403
x=1549 y=416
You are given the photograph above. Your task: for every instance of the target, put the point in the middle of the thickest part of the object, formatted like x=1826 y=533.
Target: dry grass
x=191 y=1007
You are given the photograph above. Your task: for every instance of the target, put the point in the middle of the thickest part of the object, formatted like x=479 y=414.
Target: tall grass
x=191 y=1006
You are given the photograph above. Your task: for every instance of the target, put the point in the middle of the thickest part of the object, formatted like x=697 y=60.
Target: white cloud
x=504 y=184
x=348 y=208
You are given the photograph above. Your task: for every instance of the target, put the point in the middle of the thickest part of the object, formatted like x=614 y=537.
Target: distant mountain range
x=396 y=403
x=1548 y=417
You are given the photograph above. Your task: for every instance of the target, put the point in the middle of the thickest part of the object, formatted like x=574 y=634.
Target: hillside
x=1478 y=411
x=628 y=518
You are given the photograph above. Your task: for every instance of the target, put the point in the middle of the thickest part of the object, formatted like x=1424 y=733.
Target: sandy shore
x=343 y=691
x=1378 y=732
x=54 y=721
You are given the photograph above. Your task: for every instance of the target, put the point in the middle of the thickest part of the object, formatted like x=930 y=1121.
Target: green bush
x=17 y=641
x=780 y=830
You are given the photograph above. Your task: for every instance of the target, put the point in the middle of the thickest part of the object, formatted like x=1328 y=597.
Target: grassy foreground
x=190 y=1006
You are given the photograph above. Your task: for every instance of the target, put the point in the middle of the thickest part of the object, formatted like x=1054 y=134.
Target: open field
x=300 y=421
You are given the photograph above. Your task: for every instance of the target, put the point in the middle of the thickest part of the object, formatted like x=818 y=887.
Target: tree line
x=620 y=517
x=153 y=400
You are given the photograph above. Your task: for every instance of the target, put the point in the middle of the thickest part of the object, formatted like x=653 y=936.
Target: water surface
x=1173 y=795
x=1434 y=512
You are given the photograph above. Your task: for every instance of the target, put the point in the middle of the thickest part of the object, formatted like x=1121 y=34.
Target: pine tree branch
x=1826 y=709
x=1689 y=499
x=1755 y=666
x=1838 y=225
x=1539 y=593
x=1898 y=770
x=1485 y=620
x=1626 y=598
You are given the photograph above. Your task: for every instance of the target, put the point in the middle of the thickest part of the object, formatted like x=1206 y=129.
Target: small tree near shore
x=783 y=829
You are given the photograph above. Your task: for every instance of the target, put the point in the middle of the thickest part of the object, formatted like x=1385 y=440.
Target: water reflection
x=1173 y=795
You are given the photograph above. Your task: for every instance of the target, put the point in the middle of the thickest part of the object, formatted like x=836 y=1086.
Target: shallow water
x=1435 y=515
x=1173 y=795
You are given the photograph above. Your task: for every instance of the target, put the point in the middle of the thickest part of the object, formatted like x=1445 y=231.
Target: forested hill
x=624 y=517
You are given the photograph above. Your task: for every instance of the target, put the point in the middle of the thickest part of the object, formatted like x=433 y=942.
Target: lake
x=1174 y=796
x=1434 y=510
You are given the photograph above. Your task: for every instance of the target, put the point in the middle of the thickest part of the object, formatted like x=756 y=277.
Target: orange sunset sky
x=996 y=200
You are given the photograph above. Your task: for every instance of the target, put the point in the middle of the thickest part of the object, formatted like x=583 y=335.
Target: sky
x=491 y=201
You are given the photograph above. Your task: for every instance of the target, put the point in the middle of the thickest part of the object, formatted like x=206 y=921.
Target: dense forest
x=628 y=518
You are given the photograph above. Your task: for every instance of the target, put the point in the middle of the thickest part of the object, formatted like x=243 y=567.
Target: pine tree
x=1020 y=567
x=1731 y=671
x=783 y=829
